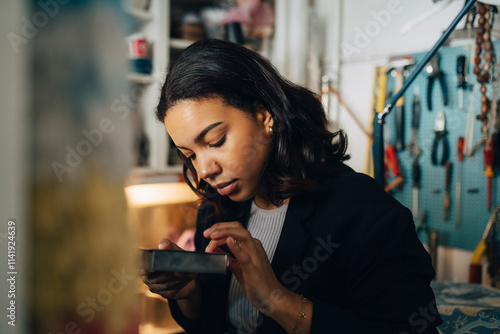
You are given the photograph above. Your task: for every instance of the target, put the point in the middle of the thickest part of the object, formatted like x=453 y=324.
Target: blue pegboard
x=474 y=213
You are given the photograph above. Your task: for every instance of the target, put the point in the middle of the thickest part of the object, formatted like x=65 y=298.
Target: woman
x=315 y=247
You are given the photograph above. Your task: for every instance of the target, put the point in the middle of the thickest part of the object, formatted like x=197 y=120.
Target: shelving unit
x=154 y=25
x=159 y=24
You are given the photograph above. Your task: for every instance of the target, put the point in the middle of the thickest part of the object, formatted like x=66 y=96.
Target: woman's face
x=226 y=145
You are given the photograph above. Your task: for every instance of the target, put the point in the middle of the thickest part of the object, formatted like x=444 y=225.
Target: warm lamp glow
x=159 y=194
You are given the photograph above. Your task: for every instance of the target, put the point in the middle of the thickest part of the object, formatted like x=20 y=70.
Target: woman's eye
x=219 y=143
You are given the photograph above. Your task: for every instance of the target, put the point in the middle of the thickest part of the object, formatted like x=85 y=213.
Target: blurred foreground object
x=84 y=276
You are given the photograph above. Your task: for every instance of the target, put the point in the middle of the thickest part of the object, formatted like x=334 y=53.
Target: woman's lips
x=227 y=188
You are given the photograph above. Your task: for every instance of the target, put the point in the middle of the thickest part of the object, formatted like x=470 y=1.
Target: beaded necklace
x=482 y=71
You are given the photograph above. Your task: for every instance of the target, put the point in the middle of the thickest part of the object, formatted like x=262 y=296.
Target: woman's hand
x=250 y=266
x=170 y=285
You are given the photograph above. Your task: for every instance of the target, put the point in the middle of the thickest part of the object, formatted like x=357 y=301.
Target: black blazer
x=351 y=249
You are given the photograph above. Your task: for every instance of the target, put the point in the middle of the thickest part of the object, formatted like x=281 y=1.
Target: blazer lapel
x=294 y=236
x=291 y=246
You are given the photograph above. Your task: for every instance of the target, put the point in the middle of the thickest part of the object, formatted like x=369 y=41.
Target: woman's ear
x=265 y=118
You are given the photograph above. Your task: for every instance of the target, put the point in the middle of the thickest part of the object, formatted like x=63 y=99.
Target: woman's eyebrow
x=202 y=134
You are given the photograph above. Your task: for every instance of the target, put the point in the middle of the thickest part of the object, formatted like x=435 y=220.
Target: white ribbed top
x=264 y=225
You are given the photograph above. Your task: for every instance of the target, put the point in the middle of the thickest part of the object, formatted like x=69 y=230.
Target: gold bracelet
x=301 y=315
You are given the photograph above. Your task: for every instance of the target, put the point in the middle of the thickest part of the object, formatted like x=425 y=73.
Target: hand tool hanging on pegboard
x=458 y=189
x=434 y=72
x=414 y=148
x=462 y=79
x=469 y=129
x=447 y=187
x=475 y=267
x=378 y=126
x=398 y=67
x=489 y=156
x=392 y=164
x=440 y=137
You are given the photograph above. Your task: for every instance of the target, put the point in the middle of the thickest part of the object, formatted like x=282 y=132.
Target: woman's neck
x=263 y=204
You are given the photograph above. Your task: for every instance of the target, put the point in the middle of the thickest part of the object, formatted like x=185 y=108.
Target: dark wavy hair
x=302 y=148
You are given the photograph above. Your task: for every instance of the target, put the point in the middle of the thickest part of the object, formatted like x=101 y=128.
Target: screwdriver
x=447 y=191
x=461 y=79
x=489 y=154
x=460 y=148
x=415 y=173
x=414 y=149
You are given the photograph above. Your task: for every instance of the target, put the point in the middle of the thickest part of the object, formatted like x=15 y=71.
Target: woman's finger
x=214 y=245
x=242 y=255
x=167 y=244
x=221 y=230
x=246 y=248
x=174 y=287
x=160 y=278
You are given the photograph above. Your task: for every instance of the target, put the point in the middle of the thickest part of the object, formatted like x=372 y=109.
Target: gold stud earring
x=271 y=130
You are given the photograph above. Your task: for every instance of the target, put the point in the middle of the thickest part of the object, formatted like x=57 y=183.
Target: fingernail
x=207 y=232
x=208 y=246
x=163 y=243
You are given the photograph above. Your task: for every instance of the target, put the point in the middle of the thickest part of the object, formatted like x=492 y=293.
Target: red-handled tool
x=392 y=160
x=460 y=155
x=489 y=155
x=391 y=163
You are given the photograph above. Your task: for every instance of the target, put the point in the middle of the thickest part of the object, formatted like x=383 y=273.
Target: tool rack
x=474 y=213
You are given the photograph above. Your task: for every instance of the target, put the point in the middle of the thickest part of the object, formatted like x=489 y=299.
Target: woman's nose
x=208 y=167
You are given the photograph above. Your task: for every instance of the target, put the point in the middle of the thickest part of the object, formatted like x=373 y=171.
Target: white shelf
x=180 y=44
x=140 y=78
x=148 y=171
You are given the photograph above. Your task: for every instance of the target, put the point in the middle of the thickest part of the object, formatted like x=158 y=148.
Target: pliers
x=434 y=72
x=440 y=135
